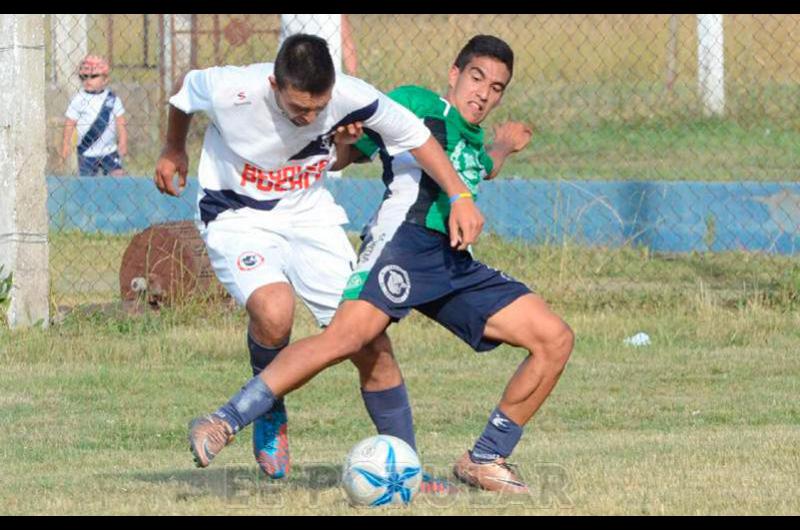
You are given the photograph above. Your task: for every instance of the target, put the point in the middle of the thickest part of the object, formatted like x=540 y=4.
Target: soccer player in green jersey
x=409 y=260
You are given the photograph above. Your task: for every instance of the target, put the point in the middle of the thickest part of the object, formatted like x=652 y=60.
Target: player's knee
x=554 y=345
x=270 y=331
x=377 y=366
x=370 y=371
x=378 y=348
x=271 y=312
x=560 y=345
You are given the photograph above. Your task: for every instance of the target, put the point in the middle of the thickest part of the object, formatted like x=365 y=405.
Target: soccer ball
x=381 y=470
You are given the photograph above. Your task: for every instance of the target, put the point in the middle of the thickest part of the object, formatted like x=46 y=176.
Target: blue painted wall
x=665 y=216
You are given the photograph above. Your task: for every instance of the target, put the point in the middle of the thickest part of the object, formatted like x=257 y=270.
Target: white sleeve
x=398 y=127
x=119 y=108
x=195 y=94
x=73 y=112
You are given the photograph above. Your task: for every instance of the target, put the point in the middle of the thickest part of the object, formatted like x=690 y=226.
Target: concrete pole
x=711 y=64
x=23 y=189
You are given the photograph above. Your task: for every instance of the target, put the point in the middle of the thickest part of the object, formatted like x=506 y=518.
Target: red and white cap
x=93 y=64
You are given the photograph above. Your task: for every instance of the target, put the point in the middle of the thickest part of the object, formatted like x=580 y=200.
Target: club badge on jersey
x=249 y=260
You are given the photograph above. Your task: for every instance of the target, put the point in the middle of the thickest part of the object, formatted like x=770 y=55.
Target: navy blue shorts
x=89 y=166
x=417 y=269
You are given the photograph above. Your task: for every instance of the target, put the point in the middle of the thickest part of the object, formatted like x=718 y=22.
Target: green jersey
x=412 y=195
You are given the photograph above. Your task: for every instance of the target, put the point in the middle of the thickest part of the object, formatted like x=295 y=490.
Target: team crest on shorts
x=249 y=260
x=394 y=283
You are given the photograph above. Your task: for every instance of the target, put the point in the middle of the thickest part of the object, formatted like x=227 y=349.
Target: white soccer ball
x=381 y=470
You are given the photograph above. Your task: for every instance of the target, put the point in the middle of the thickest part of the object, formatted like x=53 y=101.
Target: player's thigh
x=479 y=292
x=245 y=257
x=321 y=261
x=525 y=322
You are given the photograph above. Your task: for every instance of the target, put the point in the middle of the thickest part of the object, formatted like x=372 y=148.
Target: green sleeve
x=366 y=146
x=408 y=96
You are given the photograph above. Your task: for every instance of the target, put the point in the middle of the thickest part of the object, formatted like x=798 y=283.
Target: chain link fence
x=665 y=154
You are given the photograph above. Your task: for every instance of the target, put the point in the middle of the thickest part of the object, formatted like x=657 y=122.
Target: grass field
x=704 y=420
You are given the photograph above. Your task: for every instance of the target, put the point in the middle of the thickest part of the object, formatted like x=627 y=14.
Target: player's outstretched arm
x=173 y=157
x=466 y=221
x=509 y=137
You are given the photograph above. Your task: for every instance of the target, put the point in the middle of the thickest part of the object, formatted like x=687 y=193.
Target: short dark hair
x=486 y=46
x=305 y=64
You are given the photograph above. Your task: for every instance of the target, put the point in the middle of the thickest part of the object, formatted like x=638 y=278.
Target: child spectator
x=99 y=117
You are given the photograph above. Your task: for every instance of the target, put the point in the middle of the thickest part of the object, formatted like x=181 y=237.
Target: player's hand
x=169 y=163
x=512 y=136
x=465 y=223
x=348 y=134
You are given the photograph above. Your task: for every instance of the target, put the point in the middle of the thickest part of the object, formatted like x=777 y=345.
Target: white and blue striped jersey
x=84 y=109
x=255 y=161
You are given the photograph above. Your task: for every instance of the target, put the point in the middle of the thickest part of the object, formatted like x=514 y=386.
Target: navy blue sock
x=253 y=400
x=260 y=357
x=498 y=439
x=391 y=412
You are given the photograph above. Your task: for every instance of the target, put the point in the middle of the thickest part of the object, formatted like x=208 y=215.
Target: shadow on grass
x=245 y=484
x=318 y=485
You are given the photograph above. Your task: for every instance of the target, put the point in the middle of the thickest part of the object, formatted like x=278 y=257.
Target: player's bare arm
x=173 y=158
x=509 y=138
x=466 y=221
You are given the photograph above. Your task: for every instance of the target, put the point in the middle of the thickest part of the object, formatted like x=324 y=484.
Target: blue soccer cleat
x=271 y=444
x=431 y=485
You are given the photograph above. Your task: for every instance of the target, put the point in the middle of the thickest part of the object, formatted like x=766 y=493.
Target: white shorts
x=315 y=261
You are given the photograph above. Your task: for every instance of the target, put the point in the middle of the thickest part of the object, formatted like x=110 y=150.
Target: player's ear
x=273 y=83
x=452 y=77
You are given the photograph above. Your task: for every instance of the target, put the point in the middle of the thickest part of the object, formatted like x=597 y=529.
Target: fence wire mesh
x=638 y=186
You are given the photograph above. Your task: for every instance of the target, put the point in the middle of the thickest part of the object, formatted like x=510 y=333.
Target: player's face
x=301 y=108
x=478 y=87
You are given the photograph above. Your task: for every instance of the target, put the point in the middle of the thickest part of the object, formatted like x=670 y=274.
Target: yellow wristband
x=465 y=195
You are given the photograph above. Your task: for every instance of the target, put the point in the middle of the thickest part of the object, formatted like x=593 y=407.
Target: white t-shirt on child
x=84 y=109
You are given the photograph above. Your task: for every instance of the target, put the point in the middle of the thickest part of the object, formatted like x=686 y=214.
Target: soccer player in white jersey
x=271 y=228
x=99 y=117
